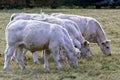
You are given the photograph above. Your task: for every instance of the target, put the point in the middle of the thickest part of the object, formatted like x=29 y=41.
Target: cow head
x=85 y=49
x=70 y=56
x=106 y=48
x=73 y=61
x=77 y=53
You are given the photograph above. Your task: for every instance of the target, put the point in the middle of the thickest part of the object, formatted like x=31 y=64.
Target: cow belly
x=36 y=43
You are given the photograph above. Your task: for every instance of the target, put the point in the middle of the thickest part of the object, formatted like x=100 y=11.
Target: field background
x=99 y=67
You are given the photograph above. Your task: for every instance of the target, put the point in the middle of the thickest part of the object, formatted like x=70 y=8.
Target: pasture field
x=99 y=67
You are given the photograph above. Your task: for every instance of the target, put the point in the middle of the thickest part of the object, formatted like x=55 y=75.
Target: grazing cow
x=31 y=35
x=69 y=25
x=90 y=29
x=74 y=33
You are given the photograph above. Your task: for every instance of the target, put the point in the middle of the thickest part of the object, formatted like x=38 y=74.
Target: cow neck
x=100 y=35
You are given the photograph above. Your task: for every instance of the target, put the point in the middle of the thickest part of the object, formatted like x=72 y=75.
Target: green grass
x=99 y=67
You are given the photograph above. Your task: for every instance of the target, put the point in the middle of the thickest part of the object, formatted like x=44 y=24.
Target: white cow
x=73 y=31
x=69 y=25
x=90 y=29
x=31 y=35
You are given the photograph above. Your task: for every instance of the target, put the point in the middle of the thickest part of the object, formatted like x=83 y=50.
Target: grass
x=99 y=67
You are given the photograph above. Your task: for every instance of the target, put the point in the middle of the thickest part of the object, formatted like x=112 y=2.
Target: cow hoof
x=60 y=68
x=47 y=69
x=23 y=68
x=36 y=62
x=5 y=68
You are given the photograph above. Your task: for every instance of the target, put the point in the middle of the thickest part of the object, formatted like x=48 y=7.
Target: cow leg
x=56 y=55
x=63 y=55
x=57 y=59
x=13 y=56
x=8 y=54
x=24 y=53
x=46 y=58
x=43 y=53
x=35 y=58
x=20 y=58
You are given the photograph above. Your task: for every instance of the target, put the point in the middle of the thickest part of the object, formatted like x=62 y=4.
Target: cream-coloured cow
x=90 y=29
x=74 y=32
x=31 y=35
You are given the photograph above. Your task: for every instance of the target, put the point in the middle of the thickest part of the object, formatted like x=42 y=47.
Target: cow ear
x=12 y=16
x=108 y=41
x=103 y=43
x=86 y=43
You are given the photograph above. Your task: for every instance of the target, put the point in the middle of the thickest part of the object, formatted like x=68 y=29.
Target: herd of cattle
x=62 y=35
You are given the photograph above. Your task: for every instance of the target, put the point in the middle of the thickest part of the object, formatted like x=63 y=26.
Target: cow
x=73 y=31
x=90 y=29
x=31 y=35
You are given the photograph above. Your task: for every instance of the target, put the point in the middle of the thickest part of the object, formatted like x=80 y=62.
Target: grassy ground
x=99 y=67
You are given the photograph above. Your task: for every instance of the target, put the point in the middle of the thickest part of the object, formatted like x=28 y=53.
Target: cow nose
x=109 y=54
x=74 y=67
